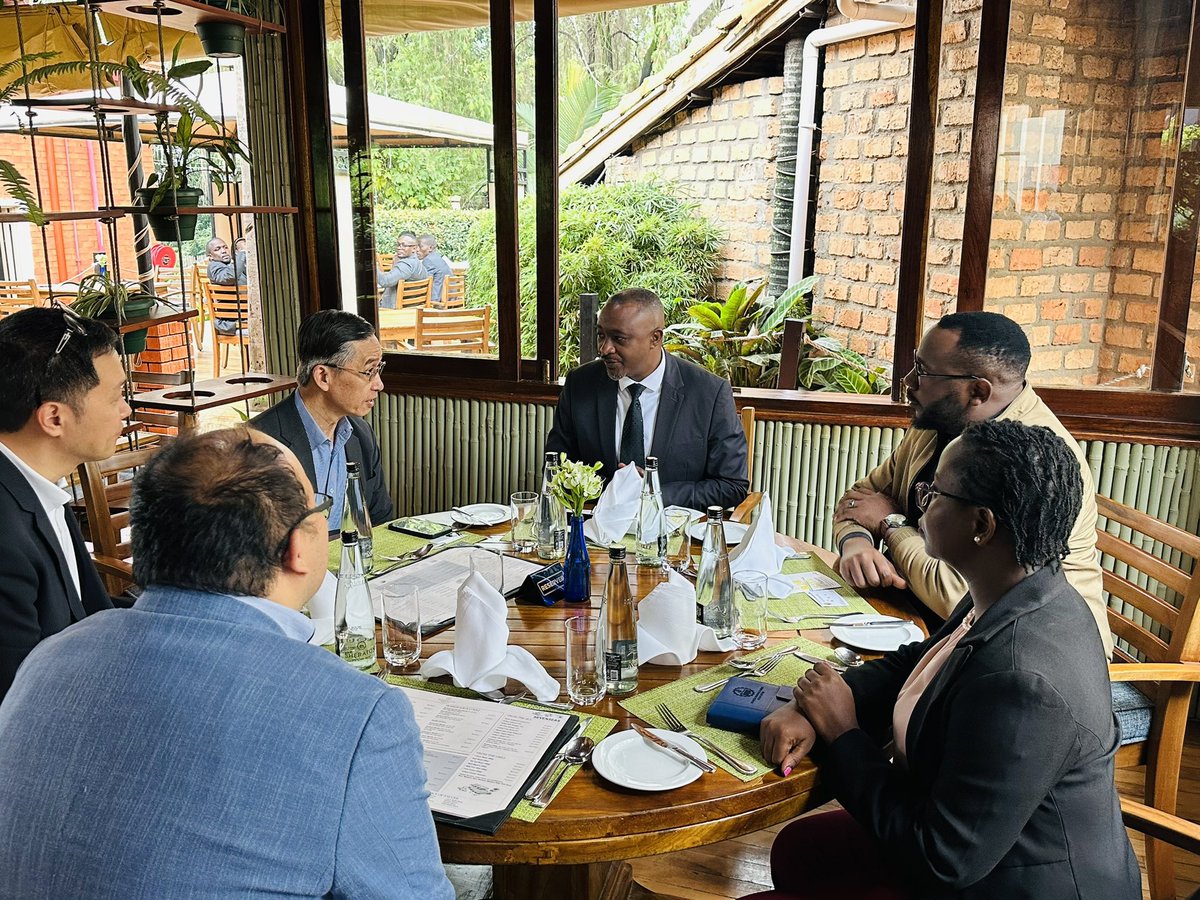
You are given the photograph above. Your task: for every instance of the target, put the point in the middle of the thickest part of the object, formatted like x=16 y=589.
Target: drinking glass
x=750 y=606
x=401 y=619
x=585 y=676
x=679 y=544
x=488 y=564
x=524 y=521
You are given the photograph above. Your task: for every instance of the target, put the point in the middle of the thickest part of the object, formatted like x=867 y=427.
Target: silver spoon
x=578 y=752
x=420 y=553
x=848 y=656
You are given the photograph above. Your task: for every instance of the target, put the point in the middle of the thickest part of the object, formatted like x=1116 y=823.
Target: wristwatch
x=890 y=521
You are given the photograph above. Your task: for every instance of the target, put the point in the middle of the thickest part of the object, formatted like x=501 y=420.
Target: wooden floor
x=742 y=866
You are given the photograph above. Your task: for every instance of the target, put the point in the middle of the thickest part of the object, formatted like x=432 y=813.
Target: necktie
x=633 y=440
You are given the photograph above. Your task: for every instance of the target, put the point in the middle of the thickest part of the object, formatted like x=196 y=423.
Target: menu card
x=481 y=756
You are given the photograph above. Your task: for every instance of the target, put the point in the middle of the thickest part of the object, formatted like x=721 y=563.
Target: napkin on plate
x=320 y=610
x=616 y=509
x=481 y=659
x=758 y=551
x=668 y=633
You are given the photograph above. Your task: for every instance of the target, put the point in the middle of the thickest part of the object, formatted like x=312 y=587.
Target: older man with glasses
x=62 y=403
x=195 y=744
x=970 y=367
x=323 y=422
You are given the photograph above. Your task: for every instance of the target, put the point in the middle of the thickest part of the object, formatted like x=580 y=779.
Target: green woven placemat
x=690 y=707
x=801 y=604
x=596 y=729
x=386 y=542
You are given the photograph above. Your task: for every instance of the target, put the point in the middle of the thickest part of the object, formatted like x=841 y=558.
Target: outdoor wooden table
x=579 y=845
x=397 y=326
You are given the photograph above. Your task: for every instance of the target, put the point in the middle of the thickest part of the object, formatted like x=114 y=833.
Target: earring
x=978 y=539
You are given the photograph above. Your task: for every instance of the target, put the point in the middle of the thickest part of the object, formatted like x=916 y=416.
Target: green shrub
x=611 y=237
x=449 y=226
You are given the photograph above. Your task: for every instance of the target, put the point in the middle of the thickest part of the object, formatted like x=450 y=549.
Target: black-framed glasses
x=921 y=372
x=324 y=502
x=370 y=374
x=926 y=492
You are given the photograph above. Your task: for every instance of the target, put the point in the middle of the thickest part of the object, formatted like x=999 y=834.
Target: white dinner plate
x=628 y=759
x=491 y=513
x=881 y=639
x=734 y=532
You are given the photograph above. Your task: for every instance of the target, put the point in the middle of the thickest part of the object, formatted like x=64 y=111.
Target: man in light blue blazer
x=195 y=745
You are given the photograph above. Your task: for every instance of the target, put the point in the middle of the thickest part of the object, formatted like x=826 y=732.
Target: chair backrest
x=227 y=301
x=106 y=498
x=383 y=261
x=1149 y=567
x=414 y=293
x=789 y=354
x=748 y=427
x=18 y=295
x=454 y=291
x=455 y=330
x=169 y=283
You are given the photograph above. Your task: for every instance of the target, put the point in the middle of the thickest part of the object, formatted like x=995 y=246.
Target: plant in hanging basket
x=110 y=300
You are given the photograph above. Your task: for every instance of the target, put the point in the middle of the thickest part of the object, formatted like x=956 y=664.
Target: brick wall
x=722 y=155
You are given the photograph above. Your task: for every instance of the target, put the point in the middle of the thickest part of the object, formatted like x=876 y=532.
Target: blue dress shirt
x=329 y=459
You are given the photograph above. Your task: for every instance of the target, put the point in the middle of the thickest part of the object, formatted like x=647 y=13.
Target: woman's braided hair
x=1029 y=478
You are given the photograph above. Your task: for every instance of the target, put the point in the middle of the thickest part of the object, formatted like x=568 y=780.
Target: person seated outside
x=322 y=422
x=227 y=270
x=195 y=744
x=435 y=264
x=1000 y=781
x=638 y=400
x=970 y=367
x=406 y=266
x=62 y=403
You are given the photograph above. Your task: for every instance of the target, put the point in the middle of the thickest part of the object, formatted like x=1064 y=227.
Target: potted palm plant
x=109 y=300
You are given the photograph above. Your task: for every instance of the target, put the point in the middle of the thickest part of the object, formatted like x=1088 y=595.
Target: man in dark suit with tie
x=637 y=400
x=62 y=402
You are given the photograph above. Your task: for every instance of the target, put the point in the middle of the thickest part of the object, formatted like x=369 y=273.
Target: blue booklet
x=743 y=702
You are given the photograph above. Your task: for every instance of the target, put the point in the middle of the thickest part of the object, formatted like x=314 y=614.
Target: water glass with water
x=585 y=673
x=524 y=521
x=401 y=621
x=750 y=597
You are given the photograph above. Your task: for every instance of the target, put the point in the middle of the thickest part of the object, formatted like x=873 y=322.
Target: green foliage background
x=451 y=227
x=611 y=237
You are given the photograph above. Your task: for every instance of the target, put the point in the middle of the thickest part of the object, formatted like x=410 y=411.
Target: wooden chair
x=747 y=415
x=200 y=293
x=414 y=293
x=456 y=330
x=454 y=292
x=228 y=303
x=106 y=487
x=383 y=261
x=18 y=295
x=1149 y=566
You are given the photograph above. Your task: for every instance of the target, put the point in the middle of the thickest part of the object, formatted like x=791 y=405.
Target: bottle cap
x=351 y=468
x=651 y=462
x=715 y=513
x=615 y=553
x=349 y=537
x=551 y=457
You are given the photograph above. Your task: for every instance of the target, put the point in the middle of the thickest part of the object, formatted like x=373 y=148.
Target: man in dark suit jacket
x=637 y=400
x=322 y=421
x=435 y=264
x=62 y=403
x=195 y=744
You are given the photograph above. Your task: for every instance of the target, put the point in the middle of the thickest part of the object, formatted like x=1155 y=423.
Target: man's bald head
x=630 y=333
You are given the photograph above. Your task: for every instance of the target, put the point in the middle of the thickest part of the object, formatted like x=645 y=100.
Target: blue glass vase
x=577 y=567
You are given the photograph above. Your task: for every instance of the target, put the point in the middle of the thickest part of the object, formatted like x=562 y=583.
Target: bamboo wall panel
x=271 y=172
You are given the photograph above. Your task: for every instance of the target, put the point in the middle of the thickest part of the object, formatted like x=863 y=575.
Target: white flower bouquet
x=576 y=483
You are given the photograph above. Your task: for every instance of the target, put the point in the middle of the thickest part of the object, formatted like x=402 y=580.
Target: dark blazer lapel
x=606 y=420
x=23 y=493
x=292 y=433
x=670 y=402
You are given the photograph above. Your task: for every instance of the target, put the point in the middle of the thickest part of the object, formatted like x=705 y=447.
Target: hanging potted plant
x=107 y=299
x=223 y=40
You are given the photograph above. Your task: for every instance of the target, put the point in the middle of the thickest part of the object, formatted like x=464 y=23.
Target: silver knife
x=653 y=738
x=552 y=766
x=876 y=623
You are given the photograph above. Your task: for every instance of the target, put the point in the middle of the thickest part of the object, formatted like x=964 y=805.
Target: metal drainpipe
x=883 y=17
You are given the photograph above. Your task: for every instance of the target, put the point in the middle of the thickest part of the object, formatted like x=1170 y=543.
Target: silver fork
x=523 y=697
x=762 y=669
x=675 y=725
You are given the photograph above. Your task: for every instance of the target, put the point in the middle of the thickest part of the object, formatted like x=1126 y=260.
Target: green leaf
x=703 y=314
x=851 y=382
x=18 y=187
x=189 y=69
x=787 y=300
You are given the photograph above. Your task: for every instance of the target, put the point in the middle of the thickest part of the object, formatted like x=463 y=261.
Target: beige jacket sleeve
x=878 y=479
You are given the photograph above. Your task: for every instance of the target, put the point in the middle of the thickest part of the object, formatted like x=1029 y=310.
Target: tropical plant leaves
x=18 y=187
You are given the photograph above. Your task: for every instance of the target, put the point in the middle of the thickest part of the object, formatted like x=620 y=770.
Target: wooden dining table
x=579 y=846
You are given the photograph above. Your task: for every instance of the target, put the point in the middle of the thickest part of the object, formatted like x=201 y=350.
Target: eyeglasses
x=370 y=374
x=921 y=372
x=323 y=505
x=926 y=492
x=72 y=325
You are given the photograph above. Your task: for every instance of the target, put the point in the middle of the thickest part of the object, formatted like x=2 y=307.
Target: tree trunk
x=785 y=167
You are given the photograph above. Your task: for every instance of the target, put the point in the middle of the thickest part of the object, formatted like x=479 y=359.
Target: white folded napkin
x=320 y=610
x=668 y=633
x=617 y=507
x=758 y=551
x=481 y=659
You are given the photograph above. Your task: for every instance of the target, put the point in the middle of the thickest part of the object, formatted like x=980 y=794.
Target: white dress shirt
x=54 y=501
x=649 y=401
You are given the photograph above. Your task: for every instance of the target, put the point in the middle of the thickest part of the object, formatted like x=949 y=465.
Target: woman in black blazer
x=1001 y=784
